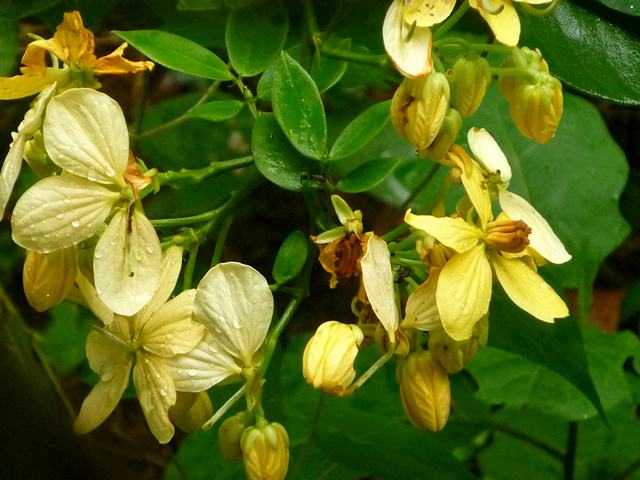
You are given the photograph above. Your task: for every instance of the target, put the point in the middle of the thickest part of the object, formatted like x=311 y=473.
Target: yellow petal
x=126 y=262
x=85 y=133
x=115 y=63
x=528 y=290
x=505 y=25
x=156 y=393
x=409 y=50
x=170 y=330
x=377 y=278
x=61 y=211
x=421 y=310
x=464 y=292
x=20 y=86
x=453 y=232
x=542 y=238
x=427 y=12
x=474 y=183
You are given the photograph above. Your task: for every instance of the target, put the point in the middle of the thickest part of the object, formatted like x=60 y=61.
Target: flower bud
x=266 y=452
x=191 y=410
x=419 y=106
x=36 y=156
x=446 y=136
x=327 y=362
x=230 y=435
x=48 y=277
x=469 y=79
x=454 y=355
x=425 y=391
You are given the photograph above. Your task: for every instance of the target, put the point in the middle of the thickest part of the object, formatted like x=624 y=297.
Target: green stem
x=187 y=280
x=181 y=221
x=372 y=369
x=451 y=21
x=225 y=408
x=185 y=176
x=396 y=232
x=182 y=118
x=221 y=240
x=569 y=461
x=355 y=57
x=312 y=23
x=247 y=95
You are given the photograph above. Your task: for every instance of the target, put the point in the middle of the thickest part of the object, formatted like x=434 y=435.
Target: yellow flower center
x=508 y=235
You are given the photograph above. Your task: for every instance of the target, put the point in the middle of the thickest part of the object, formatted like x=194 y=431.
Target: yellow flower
x=144 y=342
x=73 y=45
x=502 y=18
x=464 y=285
x=48 y=278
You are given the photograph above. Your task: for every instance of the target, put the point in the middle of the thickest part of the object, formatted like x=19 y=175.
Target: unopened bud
x=469 y=79
x=425 y=391
x=230 y=435
x=48 y=277
x=418 y=108
x=191 y=410
x=446 y=136
x=266 y=452
x=454 y=355
x=327 y=362
x=36 y=156
x=508 y=235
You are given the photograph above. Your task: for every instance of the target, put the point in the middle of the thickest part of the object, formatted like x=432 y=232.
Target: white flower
x=490 y=156
x=146 y=342
x=27 y=128
x=235 y=304
x=85 y=134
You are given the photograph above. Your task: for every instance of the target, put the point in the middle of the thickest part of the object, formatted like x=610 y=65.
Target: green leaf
x=364 y=128
x=276 y=158
x=254 y=36
x=587 y=51
x=177 y=53
x=326 y=71
x=217 y=111
x=12 y=10
x=8 y=48
x=298 y=108
x=557 y=346
x=291 y=257
x=65 y=336
x=574 y=181
x=367 y=175
x=629 y=7
x=200 y=4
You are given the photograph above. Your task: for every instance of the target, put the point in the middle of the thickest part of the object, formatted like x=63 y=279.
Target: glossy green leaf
x=587 y=51
x=217 y=111
x=291 y=257
x=327 y=71
x=177 y=53
x=298 y=107
x=255 y=35
x=364 y=128
x=367 y=175
x=574 y=181
x=276 y=158
x=629 y=7
x=265 y=84
x=558 y=347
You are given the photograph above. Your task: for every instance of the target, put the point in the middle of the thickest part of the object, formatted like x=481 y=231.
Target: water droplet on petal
x=192 y=373
x=75 y=224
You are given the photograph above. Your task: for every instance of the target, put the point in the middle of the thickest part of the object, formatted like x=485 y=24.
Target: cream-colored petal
x=203 y=367
x=464 y=292
x=421 y=310
x=452 y=232
x=527 y=289
x=156 y=393
x=10 y=170
x=106 y=350
x=85 y=133
x=234 y=301
x=126 y=262
x=61 y=211
x=489 y=154
x=170 y=330
x=92 y=299
x=103 y=399
x=542 y=238
x=413 y=57
x=377 y=278
x=427 y=12
x=169 y=273
x=505 y=25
